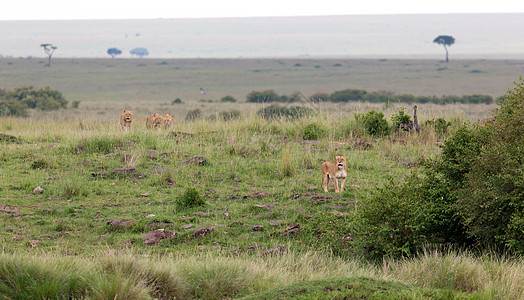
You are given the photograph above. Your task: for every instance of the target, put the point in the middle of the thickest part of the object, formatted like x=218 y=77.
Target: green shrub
x=228 y=99
x=194 y=114
x=374 y=122
x=400 y=118
x=348 y=95
x=400 y=219
x=263 y=97
x=312 y=131
x=491 y=200
x=440 y=125
x=230 y=115
x=15 y=102
x=319 y=97
x=190 y=198
x=75 y=104
x=177 y=101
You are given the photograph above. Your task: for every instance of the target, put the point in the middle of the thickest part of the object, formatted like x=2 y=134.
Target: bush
x=374 y=122
x=319 y=97
x=230 y=115
x=177 y=101
x=75 y=104
x=15 y=102
x=348 y=95
x=228 y=99
x=400 y=219
x=312 y=131
x=400 y=118
x=190 y=198
x=490 y=202
x=326 y=231
x=440 y=125
x=263 y=97
x=194 y=114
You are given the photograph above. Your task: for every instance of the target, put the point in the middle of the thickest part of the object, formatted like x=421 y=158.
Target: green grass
x=259 y=178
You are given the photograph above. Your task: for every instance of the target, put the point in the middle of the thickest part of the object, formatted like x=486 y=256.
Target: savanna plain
x=227 y=203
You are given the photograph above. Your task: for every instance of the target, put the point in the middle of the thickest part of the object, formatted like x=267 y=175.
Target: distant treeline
x=357 y=95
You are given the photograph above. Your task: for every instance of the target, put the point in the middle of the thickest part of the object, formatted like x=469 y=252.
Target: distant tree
x=49 y=49
x=140 y=52
x=445 y=40
x=114 y=52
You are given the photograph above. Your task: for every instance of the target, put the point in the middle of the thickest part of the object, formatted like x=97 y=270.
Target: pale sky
x=153 y=9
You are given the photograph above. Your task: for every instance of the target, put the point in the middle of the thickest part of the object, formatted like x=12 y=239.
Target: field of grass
x=237 y=205
x=65 y=193
x=130 y=81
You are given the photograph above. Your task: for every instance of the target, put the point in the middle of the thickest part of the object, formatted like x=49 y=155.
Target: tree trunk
x=446 y=48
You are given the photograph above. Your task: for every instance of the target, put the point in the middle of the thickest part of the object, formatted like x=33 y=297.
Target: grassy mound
x=353 y=288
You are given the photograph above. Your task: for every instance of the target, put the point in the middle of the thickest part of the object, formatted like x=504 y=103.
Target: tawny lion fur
x=154 y=121
x=126 y=118
x=335 y=170
x=168 y=121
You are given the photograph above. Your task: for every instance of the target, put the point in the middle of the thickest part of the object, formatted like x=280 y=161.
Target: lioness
x=154 y=121
x=335 y=170
x=168 y=121
x=126 y=118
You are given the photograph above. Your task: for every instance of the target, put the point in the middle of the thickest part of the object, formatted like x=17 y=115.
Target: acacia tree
x=445 y=40
x=114 y=52
x=49 y=49
x=140 y=52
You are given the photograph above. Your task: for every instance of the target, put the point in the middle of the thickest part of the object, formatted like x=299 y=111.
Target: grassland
x=78 y=197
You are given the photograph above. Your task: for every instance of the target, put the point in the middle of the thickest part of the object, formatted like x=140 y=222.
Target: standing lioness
x=335 y=170
x=126 y=118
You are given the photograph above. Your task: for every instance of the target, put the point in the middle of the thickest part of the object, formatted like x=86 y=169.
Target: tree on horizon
x=49 y=49
x=114 y=52
x=445 y=40
x=140 y=52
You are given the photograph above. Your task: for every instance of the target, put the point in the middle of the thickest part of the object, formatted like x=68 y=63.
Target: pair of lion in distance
x=156 y=121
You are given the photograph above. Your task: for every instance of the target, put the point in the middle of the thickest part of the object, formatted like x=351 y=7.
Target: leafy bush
x=15 y=102
x=263 y=97
x=400 y=219
x=319 y=97
x=374 y=122
x=439 y=124
x=177 y=101
x=230 y=115
x=348 y=95
x=194 y=114
x=400 y=118
x=190 y=198
x=312 y=131
x=228 y=99
x=490 y=202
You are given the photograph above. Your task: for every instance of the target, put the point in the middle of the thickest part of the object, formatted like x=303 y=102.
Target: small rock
x=17 y=238
x=155 y=236
x=38 y=189
x=203 y=230
x=144 y=194
x=34 y=243
x=294 y=228
x=257 y=227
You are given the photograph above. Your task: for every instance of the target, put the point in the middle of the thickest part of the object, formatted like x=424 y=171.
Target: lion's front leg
x=336 y=185
x=342 y=184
